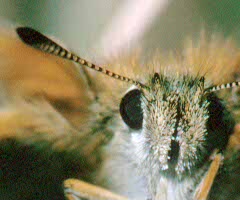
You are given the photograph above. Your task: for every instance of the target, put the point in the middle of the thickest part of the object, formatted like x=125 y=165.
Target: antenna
x=223 y=86
x=41 y=42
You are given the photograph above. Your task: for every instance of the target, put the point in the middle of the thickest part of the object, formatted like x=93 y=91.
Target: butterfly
x=158 y=135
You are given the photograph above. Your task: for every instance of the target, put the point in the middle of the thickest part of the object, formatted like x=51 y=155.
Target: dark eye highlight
x=131 y=110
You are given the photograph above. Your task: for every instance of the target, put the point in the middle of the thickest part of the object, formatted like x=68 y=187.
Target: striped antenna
x=223 y=86
x=41 y=42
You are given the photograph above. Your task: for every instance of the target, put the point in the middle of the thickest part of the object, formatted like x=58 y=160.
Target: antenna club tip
x=30 y=36
x=41 y=42
x=26 y=34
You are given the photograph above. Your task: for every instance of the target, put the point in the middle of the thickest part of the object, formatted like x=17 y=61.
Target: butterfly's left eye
x=131 y=110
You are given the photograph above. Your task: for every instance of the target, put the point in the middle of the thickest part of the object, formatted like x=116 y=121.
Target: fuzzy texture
x=140 y=167
x=29 y=121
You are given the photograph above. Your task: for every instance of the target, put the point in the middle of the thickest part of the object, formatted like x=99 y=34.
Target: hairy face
x=174 y=124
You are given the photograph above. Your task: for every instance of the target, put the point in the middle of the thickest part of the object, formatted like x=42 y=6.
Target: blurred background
x=112 y=26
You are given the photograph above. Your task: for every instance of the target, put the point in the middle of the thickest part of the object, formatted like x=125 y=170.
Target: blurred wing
x=46 y=125
x=27 y=72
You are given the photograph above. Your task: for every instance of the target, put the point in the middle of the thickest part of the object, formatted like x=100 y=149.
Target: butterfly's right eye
x=131 y=110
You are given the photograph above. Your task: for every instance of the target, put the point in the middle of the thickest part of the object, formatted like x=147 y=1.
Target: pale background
x=87 y=25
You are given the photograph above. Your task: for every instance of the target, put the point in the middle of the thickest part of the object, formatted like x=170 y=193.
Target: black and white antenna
x=41 y=42
x=223 y=86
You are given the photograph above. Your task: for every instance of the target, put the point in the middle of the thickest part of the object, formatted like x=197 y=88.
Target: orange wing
x=27 y=73
x=44 y=102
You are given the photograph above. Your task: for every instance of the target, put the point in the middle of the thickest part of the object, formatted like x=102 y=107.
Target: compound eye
x=131 y=110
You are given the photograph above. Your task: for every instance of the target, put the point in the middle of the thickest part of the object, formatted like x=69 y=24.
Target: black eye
x=220 y=124
x=131 y=110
